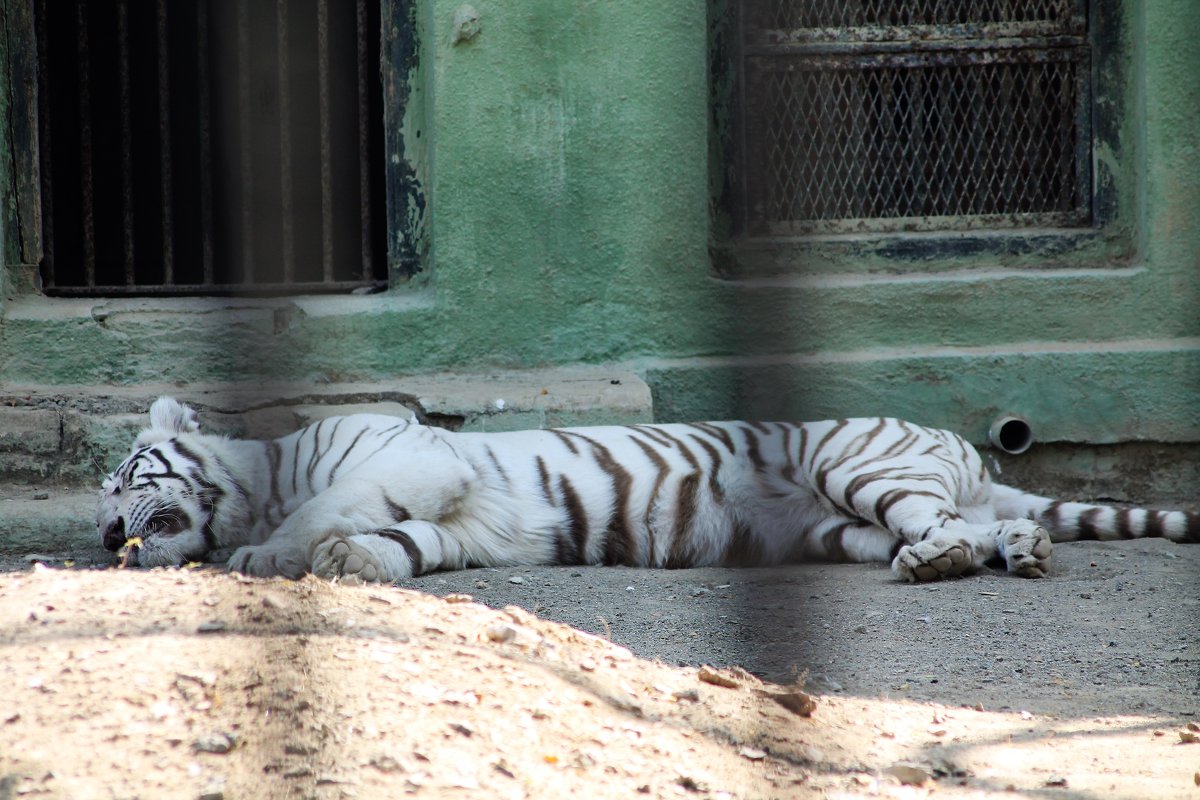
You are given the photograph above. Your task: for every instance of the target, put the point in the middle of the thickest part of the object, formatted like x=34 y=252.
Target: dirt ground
x=197 y=684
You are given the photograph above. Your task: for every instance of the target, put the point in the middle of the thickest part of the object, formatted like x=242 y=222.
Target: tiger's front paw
x=1026 y=548
x=350 y=562
x=265 y=561
x=932 y=560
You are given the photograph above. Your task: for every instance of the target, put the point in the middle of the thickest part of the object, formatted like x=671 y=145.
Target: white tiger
x=378 y=498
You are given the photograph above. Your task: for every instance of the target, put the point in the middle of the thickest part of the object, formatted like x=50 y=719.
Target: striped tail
x=1069 y=522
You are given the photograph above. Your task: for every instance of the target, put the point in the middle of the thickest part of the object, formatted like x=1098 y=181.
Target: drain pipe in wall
x=1011 y=434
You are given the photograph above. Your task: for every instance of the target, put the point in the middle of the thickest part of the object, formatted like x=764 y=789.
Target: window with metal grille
x=902 y=115
x=210 y=147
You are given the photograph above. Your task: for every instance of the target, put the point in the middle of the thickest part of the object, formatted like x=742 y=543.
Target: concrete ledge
x=49 y=522
x=70 y=434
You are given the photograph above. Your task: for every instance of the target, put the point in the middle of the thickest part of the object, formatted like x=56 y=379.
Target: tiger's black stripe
x=296 y=461
x=212 y=494
x=410 y=547
x=742 y=549
x=900 y=444
x=566 y=440
x=399 y=428
x=397 y=512
x=1192 y=531
x=654 y=434
x=825 y=440
x=718 y=433
x=620 y=547
x=1087 y=524
x=1123 y=527
x=317 y=452
x=859 y=482
x=680 y=554
x=274 y=454
x=1051 y=515
x=662 y=470
x=863 y=441
x=752 y=451
x=893 y=496
x=714 y=486
x=503 y=473
x=831 y=541
x=570 y=550
x=689 y=456
x=544 y=477
x=346 y=452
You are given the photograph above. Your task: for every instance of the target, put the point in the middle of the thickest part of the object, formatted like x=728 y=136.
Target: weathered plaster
x=562 y=153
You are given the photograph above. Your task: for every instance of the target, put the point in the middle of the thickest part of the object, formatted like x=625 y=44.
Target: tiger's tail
x=1068 y=522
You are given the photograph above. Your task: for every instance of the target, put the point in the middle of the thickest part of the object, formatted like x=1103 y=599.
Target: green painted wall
x=564 y=152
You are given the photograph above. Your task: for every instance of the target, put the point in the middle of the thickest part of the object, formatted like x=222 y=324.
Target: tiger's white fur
x=378 y=498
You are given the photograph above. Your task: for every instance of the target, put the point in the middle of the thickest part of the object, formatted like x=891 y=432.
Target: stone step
x=71 y=435
x=49 y=524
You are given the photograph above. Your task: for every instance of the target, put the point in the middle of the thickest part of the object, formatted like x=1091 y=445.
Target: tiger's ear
x=168 y=418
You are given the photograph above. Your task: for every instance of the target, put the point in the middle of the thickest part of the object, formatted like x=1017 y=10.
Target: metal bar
x=948 y=171
x=931 y=35
x=919 y=192
x=741 y=113
x=86 y=176
x=128 y=248
x=979 y=112
x=1083 y=142
x=326 y=140
x=204 y=91
x=186 y=289
x=245 y=141
x=1004 y=101
x=364 y=142
x=936 y=51
x=45 y=141
x=285 y=143
x=912 y=222
x=164 y=146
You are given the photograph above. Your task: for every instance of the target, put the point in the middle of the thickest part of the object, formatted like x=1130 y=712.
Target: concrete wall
x=565 y=160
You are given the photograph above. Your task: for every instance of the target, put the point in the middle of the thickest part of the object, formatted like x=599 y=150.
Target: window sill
x=746 y=258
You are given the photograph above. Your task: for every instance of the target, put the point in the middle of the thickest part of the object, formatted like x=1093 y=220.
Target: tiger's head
x=163 y=498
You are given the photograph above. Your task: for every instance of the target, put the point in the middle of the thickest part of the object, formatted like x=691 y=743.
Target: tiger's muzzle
x=113 y=535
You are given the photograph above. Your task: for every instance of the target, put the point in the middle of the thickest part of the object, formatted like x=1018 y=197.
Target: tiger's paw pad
x=1026 y=548
x=349 y=562
x=264 y=561
x=932 y=560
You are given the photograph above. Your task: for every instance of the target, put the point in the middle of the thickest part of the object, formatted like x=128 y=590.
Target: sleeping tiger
x=367 y=498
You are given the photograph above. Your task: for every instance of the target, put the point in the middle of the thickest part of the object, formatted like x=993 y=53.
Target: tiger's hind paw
x=1026 y=548
x=933 y=560
x=349 y=562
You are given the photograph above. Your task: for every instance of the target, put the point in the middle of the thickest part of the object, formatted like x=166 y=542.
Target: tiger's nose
x=113 y=536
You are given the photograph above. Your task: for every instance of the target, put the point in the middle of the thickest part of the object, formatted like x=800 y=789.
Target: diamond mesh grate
x=956 y=130
x=790 y=14
x=987 y=139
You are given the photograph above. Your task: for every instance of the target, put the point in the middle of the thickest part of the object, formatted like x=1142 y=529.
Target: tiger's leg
x=389 y=554
x=1025 y=547
x=936 y=541
x=846 y=540
x=958 y=548
x=350 y=507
